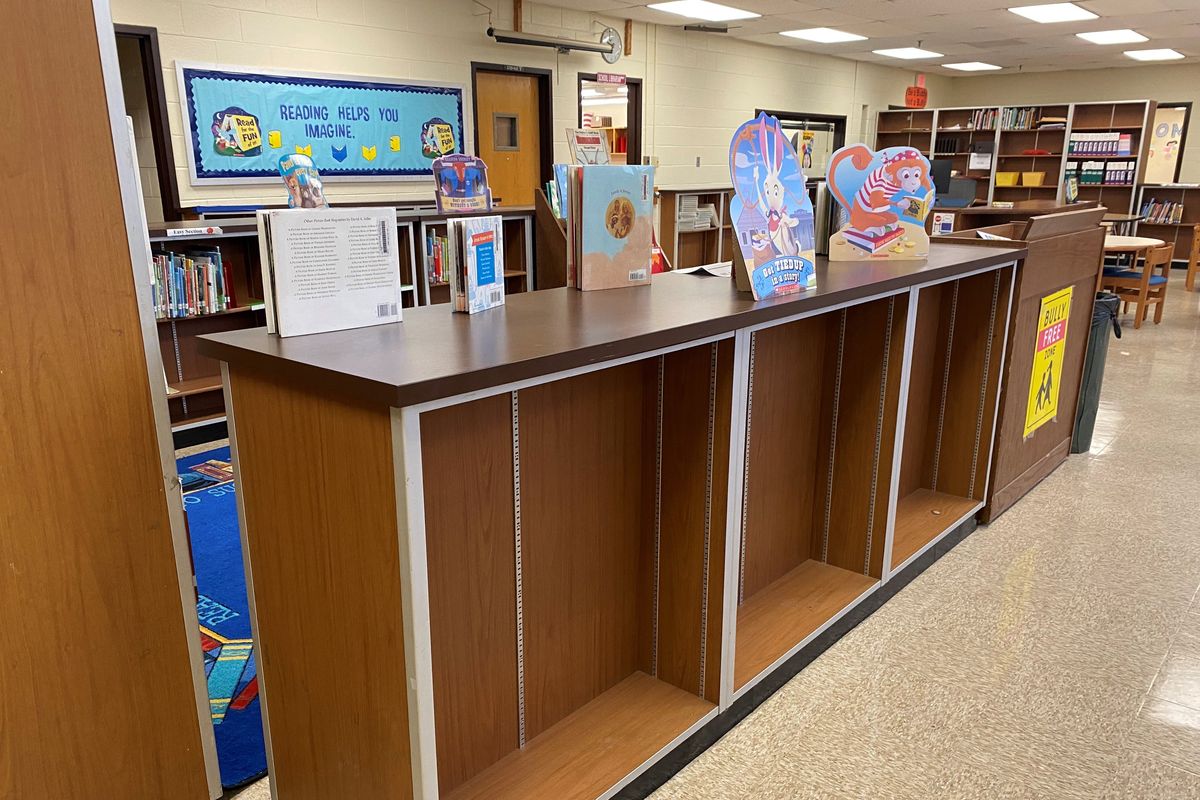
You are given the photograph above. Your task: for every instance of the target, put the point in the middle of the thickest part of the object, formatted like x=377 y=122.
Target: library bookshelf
x=1181 y=230
x=1032 y=146
x=193 y=382
x=579 y=553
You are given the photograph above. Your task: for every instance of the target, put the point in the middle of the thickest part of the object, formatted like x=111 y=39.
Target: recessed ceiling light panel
x=702 y=9
x=971 y=66
x=1122 y=36
x=824 y=35
x=1054 y=12
x=1154 y=55
x=907 y=52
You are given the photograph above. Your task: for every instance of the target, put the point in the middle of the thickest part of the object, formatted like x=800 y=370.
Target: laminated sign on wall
x=240 y=122
x=1048 y=352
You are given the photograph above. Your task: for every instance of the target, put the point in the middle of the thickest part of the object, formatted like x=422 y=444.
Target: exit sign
x=610 y=77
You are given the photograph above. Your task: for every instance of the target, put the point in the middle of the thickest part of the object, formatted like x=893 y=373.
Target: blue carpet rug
x=229 y=663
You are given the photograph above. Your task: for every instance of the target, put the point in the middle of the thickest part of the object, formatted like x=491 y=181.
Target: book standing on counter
x=329 y=269
x=476 y=260
x=610 y=226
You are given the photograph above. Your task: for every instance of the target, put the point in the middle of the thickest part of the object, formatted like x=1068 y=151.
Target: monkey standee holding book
x=887 y=196
x=771 y=213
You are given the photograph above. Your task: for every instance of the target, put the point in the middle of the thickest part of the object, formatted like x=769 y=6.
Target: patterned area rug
x=229 y=663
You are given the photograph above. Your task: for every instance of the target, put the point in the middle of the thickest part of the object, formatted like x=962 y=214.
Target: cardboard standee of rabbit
x=771 y=213
x=887 y=195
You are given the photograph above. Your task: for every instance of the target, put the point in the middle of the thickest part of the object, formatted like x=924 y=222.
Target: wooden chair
x=1145 y=286
x=1193 y=261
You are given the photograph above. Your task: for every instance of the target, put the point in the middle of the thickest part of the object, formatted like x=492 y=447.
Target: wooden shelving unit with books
x=1115 y=174
x=1172 y=213
x=1042 y=129
x=958 y=131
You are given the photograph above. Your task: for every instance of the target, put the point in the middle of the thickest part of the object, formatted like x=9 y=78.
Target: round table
x=1133 y=245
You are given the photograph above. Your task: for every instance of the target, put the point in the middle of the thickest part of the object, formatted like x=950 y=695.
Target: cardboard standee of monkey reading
x=887 y=196
x=771 y=213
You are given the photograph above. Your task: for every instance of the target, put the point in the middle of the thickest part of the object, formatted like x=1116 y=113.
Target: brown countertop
x=435 y=353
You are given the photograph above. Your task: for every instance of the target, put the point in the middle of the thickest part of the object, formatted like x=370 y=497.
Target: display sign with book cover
x=303 y=181
x=329 y=269
x=886 y=195
x=588 y=146
x=610 y=226
x=771 y=213
x=240 y=121
x=461 y=184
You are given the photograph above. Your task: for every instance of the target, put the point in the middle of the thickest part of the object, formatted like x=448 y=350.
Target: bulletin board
x=240 y=121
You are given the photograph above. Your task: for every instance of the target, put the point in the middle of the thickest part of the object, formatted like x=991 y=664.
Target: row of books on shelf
x=1090 y=173
x=190 y=285
x=556 y=191
x=436 y=258
x=1162 y=211
x=1107 y=143
x=984 y=119
x=1018 y=118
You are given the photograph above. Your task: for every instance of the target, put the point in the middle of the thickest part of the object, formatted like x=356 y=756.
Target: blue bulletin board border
x=185 y=71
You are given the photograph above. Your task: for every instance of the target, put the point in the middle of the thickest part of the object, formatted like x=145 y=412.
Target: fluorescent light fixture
x=1122 y=36
x=824 y=35
x=1054 y=12
x=907 y=52
x=702 y=9
x=971 y=66
x=1154 y=55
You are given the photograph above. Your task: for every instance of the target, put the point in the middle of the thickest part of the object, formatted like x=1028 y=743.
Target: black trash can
x=1104 y=317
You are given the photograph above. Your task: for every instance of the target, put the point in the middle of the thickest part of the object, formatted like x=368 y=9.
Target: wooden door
x=507 y=134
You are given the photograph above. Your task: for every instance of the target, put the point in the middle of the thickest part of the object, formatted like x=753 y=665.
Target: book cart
x=547 y=560
x=194 y=381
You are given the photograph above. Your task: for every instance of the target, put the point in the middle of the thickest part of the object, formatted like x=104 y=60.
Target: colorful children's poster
x=771 y=212
x=1048 y=352
x=461 y=184
x=887 y=196
x=303 y=181
x=239 y=122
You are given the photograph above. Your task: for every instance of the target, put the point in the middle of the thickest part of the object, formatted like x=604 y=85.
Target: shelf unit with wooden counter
x=549 y=560
x=685 y=245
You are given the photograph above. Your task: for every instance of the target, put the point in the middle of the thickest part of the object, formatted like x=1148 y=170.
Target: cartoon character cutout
x=886 y=196
x=771 y=211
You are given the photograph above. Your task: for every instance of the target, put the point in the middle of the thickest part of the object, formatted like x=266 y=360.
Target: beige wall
x=1164 y=83
x=698 y=87
x=138 y=109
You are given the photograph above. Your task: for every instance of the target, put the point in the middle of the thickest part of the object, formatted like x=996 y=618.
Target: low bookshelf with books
x=1172 y=212
x=436 y=272
x=1030 y=152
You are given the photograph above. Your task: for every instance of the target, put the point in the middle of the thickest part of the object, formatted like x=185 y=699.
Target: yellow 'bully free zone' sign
x=1048 y=353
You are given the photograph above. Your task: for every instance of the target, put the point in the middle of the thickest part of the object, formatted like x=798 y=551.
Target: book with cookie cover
x=614 y=228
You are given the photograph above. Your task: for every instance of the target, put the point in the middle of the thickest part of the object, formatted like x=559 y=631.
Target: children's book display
x=329 y=269
x=461 y=184
x=588 y=146
x=303 y=181
x=887 y=196
x=771 y=212
x=474 y=257
x=610 y=229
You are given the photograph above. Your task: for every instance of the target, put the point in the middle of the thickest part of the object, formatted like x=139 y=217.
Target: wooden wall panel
x=318 y=493
x=467 y=461
x=96 y=692
x=866 y=417
x=891 y=414
x=688 y=380
x=925 y=387
x=582 y=487
x=784 y=444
